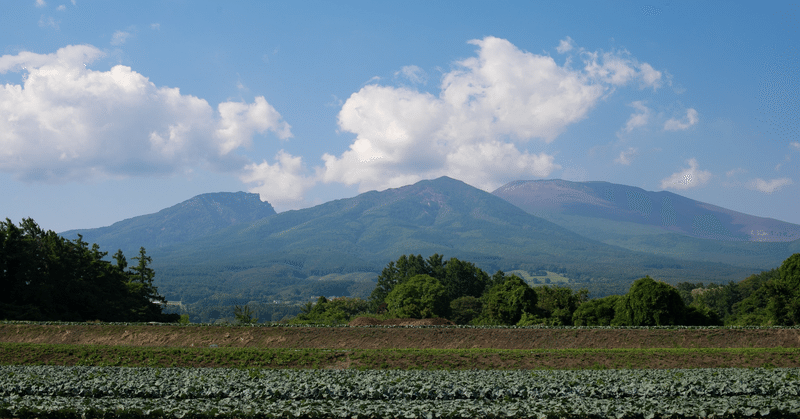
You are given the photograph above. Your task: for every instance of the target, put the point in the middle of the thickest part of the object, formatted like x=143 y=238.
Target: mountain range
x=668 y=211
x=662 y=223
x=233 y=247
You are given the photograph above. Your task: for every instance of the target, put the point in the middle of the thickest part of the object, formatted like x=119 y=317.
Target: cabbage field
x=120 y=392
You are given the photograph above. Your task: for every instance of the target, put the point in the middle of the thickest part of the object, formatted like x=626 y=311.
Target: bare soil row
x=396 y=337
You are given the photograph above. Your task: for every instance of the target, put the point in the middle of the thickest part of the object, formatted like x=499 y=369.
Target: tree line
x=47 y=277
x=414 y=287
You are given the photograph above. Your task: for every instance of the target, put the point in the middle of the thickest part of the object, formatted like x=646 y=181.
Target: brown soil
x=397 y=337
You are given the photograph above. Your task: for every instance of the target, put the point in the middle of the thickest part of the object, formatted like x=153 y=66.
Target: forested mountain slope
x=285 y=255
x=193 y=218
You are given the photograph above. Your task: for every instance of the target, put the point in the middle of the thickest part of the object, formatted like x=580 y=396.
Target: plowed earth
x=398 y=337
x=397 y=347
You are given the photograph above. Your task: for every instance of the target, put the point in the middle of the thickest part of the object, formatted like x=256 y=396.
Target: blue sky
x=110 y=110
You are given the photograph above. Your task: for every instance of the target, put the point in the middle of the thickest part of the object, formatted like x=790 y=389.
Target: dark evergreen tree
x=462 y=279
x=47 y=277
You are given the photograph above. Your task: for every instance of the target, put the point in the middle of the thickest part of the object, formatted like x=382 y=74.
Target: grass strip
x=451 y=359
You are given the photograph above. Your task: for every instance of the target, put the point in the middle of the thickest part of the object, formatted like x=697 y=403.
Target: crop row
x=256 y=384
x=46 y=391
x=567 y=407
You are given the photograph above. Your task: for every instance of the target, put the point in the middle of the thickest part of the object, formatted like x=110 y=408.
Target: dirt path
x=397 y=337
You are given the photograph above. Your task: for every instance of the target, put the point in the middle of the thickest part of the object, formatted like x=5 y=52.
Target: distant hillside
x=660 y=223
x=666 y=210
x=196 y=217
x=287 y=255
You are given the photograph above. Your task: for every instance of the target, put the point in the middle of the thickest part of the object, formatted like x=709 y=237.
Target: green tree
x=334 y=311
x=506 y=302
x=244 y=314
x=419 y=297
x=465 y=309
x=717 y=299
x=462 y=279
x=685 y=290
x=784 y=293
x=649 y=303
x=394 y=274
x=596 y=312
x=458 y=277
x=752 y=309
x=47 y=277
x=557 y=304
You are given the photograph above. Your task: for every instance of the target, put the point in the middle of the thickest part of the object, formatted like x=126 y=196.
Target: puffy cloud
x=67 y=122
x=795 y=144
x=637 y=119
x=489 y=106
x=239 y=121
x=680 y=125
x=40 y=3
x=626 y=156
x=618 y=68
x=61 y=8
x=279 y=183
x=413 y=74
x=565 y=45
x=768 y=186
x=687 y=178
x=119 y=37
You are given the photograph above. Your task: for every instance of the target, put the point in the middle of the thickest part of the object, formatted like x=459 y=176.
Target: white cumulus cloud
x=66 y=122
x=639 y=118
x=565 y=45
x=796 y=145
x=626 y=156
x=768 y=186
x=618 y=68
x=489 y=106
x=689 y=177
x=281 y=183
x=674 y=124
x=239 y=121
x=40 y=3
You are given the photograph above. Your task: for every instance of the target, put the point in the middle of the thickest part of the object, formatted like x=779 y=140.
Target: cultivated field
x=409 y=370
x=379 y=346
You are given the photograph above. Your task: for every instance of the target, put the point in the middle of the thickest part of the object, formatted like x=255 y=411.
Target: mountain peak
x=195 y=217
